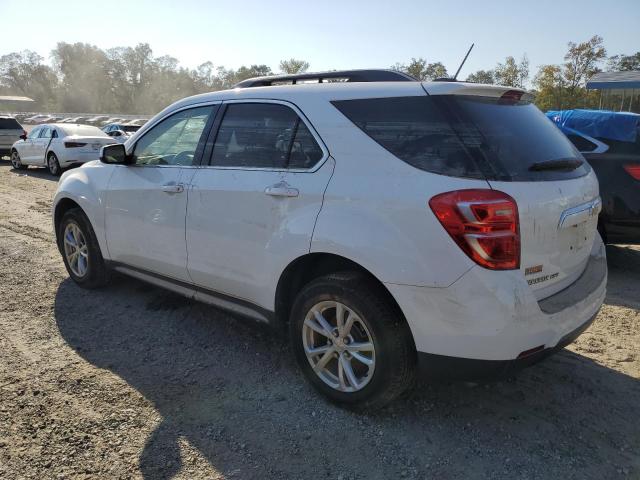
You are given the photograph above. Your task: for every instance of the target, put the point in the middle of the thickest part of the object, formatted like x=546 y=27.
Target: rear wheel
x=16 y=162
x=53 y=164
x=351 y=343
x=81 y=251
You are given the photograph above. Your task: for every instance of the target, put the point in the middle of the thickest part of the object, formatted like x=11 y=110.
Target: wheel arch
x=306 y=268
x=63 y=206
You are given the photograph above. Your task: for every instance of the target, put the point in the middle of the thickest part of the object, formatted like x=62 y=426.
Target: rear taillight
x=633 y=169
x=510 y=97
x=74 y=144
x=484 y=224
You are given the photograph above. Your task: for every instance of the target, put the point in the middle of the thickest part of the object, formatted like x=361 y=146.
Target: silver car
x=10 y=132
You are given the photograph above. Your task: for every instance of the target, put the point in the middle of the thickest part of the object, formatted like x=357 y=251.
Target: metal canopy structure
x=618 y=90
x=614 y=80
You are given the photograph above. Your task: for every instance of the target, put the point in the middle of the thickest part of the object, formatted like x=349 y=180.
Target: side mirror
x=114 y=154
x=23 y=136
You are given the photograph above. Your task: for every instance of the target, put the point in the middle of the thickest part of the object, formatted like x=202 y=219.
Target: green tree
x=511 y=73
x=293 y=66
x=581 y=62
x=564 y=86
x=421 y=70
x=482 y=76
x=84 y=83
x=23 y=73
x=624 y=63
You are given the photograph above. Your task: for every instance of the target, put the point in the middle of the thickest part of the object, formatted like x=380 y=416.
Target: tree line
x=85 y=78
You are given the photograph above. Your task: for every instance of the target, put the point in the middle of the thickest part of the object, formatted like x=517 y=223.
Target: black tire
x=15 y=161
x=395 y=353
x=97 y=274
x=53 y=165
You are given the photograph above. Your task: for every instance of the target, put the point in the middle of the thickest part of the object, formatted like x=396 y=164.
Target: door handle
x=281 y=189
x=173 y=188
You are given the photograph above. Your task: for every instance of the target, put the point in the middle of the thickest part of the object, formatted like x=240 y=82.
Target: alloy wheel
x=76 y=250
x=53 y=165
x=339 y=346
x=15 y=160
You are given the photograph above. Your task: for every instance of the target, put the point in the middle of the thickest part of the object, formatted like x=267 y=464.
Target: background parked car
x=610 y=141
x=34 y=118
x=58 y=146
x=97 y=119
x=120 y=132
x=10 y=131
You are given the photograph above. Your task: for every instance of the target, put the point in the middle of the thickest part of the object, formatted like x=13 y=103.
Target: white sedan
x=58 y=146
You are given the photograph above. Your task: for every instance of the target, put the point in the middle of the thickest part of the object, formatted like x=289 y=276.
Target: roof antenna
x=455 y=77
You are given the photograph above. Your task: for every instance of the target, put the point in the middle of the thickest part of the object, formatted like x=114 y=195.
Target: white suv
x=391 y=224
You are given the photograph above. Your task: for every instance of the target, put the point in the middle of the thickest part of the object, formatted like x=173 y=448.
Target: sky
x=328 y=34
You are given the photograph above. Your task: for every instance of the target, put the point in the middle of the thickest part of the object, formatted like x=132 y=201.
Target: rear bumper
x=485 y=322
x=77 y=158
x=457 y=368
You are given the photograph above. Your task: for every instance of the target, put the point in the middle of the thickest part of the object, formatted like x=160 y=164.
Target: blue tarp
x=620 y=126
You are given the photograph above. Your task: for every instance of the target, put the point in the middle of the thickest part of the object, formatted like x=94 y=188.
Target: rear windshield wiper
x=567 y=164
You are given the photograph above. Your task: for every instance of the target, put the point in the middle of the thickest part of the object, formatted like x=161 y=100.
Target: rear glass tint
x=466 y=136
x=9 y=124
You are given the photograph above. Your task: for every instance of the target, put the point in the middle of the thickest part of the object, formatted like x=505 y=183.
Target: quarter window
x=264 y=135
x=581 y=143
x=174 y=140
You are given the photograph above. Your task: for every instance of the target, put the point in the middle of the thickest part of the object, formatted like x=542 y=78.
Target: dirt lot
x=131 y=381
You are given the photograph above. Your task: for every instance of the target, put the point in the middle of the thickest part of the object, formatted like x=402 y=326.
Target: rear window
x=84 y=130
x=466 y=136
x=129 y=128
x=9 y=124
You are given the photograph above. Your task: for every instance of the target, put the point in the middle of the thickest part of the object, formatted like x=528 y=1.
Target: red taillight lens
x=74 y=144
x=633 y=169
x=510 y=97
x=484 y=224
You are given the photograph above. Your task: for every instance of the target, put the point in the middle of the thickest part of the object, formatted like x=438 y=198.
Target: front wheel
x=81 y=251
x=16 y=162
x=351 y=343
x=53 y=165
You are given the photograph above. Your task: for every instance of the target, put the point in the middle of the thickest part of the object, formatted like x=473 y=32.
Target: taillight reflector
x=633 y=169
x=74 y=144
x=484 y=224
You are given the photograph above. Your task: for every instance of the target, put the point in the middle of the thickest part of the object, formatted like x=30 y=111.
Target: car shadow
x=232 y=392
x=623 y=286
x=36 y=172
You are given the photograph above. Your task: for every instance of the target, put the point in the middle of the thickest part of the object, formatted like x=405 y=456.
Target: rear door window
x=466 y=136
x=264 y=135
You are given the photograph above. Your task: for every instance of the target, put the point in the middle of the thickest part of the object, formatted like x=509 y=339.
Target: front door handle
x=281 y=189
x=173 y=188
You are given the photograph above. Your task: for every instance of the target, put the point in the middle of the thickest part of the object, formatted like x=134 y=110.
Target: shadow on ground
x=623 y=287
x=35 y=172
x=231 y=391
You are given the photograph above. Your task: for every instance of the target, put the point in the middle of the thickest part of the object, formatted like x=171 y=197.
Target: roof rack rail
x=322 y=77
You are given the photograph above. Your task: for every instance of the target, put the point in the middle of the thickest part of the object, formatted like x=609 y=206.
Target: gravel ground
x=131 y=381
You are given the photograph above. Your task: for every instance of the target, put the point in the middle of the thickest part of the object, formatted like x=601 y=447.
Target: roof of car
x=344 y=90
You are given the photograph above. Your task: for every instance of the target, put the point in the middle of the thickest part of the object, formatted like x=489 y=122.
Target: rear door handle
x=281 y=189
x=173 y=188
